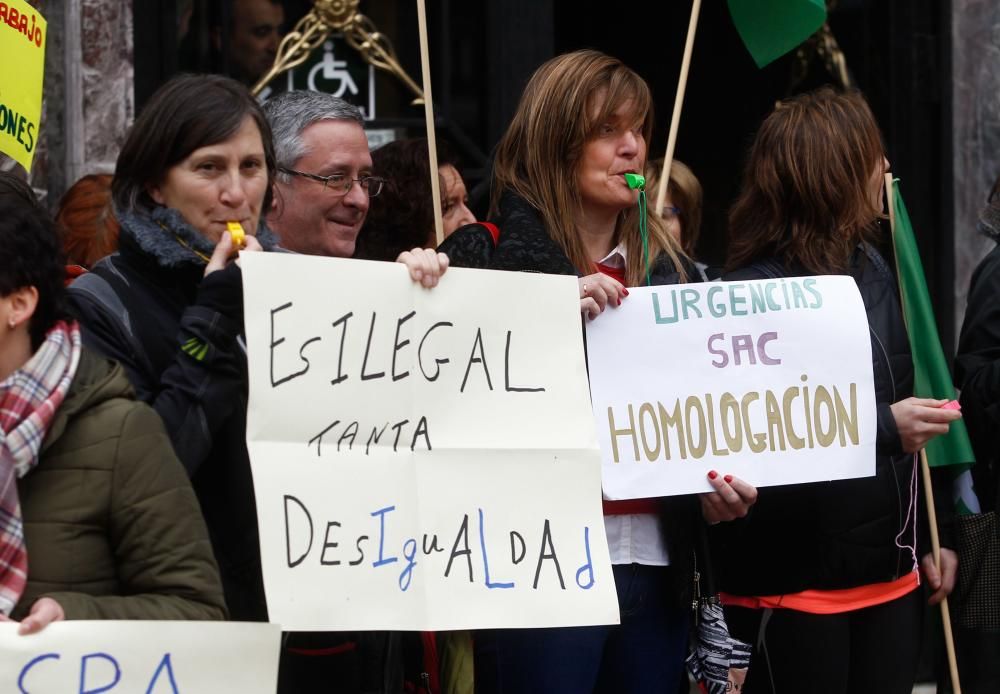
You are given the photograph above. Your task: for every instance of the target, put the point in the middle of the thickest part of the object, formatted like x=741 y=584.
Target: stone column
x=103 y=84
x=976 y=130
x=88 y=96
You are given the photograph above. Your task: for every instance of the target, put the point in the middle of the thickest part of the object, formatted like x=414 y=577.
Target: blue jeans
x=645 y=653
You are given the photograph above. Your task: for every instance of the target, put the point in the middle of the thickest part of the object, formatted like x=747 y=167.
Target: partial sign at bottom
x=135 y=656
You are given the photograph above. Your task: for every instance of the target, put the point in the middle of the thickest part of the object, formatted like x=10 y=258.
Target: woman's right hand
x=597 y=292
x=919 y=420
x=224 y=249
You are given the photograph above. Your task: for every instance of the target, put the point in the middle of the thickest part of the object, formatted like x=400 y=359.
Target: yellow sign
x=22 y=53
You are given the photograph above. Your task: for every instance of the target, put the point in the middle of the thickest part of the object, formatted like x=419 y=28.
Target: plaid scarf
x=29 y=398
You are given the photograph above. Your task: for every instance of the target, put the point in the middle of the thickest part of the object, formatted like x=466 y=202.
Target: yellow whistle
x=237 y=233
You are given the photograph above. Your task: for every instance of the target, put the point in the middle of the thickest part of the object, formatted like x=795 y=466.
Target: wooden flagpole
x=949 y=638
x=675 y=121
x=425 y=68
x=925 y=471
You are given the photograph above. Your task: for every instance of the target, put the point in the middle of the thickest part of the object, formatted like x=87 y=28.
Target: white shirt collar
x=616 y=258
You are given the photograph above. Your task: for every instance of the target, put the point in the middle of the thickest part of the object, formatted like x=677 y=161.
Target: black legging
x=869 y=651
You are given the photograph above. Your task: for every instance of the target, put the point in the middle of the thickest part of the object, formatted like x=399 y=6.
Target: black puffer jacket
x=841 y=534
x=525 y=246
x=178 y=336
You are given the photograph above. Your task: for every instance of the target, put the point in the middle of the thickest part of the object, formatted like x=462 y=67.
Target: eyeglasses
x=341 y=184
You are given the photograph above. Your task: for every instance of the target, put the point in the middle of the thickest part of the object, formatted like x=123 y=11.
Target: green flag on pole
x=771 y=28
x=931 y=377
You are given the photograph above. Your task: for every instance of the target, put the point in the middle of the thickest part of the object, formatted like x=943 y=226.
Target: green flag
x=771 y=28
x=931 y=378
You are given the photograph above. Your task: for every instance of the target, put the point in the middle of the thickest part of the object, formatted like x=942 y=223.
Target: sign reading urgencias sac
x=141 y=656
x=769 y=380
x=422 y=459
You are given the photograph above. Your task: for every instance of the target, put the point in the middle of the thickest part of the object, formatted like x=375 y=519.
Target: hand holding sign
x=597 y=292
x=731 y=499
x=42 y=613
x=425 y=265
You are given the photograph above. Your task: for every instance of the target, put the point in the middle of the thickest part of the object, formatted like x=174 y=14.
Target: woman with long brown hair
x=561 y=205
x=823 y=578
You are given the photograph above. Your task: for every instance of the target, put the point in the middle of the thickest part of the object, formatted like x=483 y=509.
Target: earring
x=12 y=323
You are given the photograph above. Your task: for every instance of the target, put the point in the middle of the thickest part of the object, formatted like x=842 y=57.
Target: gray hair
x=292 y=112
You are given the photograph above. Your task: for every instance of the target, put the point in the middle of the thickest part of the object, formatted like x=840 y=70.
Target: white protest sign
x=154 y=657
x=422 y=459
x=769 y=380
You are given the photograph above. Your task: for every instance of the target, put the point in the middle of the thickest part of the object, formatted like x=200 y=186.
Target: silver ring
x=585 y=290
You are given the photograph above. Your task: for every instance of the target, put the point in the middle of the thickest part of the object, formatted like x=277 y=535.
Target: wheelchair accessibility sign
x=336 y=69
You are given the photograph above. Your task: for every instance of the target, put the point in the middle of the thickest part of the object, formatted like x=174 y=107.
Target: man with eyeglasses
x=325 y=180
x=322 y=188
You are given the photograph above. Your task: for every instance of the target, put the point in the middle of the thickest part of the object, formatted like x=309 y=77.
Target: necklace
x=185 y=244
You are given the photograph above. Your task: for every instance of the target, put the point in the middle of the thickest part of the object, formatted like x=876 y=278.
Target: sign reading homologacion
x=22 y=55
x=422 y=459
x=770 y=380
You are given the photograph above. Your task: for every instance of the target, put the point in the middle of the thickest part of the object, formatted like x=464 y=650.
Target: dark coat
x=525 y=246
x=111 y=524
x=977 y=375
x=841 y=534
x=178 y=335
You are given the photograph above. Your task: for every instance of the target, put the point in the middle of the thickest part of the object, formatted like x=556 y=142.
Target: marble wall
x=108 y=102
x=976 y=128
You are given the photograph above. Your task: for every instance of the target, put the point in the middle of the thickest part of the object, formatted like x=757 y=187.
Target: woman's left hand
x=43 y=612
x=731 y=499
x=941 y=582
x=425 y=265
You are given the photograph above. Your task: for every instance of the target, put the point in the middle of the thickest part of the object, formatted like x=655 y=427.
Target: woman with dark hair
x=97 y=518
x=403 y=215
x=561 y=205
x=169 y=304
x=823 y=578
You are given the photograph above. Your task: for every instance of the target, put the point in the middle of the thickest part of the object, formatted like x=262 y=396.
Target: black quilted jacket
x=841 y=534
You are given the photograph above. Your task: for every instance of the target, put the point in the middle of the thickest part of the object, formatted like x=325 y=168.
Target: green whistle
x=635 y=181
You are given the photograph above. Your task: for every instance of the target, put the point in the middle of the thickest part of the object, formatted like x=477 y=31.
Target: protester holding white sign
x=823 y=577
x=562 y=206
x=97 y=518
